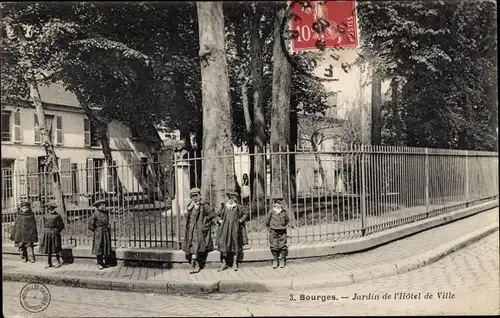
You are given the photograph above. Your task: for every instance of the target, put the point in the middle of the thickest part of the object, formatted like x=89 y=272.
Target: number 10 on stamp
x=323 y=24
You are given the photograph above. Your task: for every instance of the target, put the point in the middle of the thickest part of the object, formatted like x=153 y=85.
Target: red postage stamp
x=323 y=24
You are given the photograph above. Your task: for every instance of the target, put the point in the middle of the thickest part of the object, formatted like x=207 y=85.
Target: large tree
x=280 y=126
x=25 y=45
x=218 y=163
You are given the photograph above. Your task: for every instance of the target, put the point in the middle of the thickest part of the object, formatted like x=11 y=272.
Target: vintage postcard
x=249 y=158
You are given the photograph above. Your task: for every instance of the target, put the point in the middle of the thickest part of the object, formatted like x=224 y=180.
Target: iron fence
x=330 y=196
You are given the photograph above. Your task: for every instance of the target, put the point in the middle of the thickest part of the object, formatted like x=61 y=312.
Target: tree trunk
x=52 y=163
x=218 y=172
x=102 y=136
x=376 y=107
x=246 y=109
x=198 y=155
x=258 y=171
x=398 y=129
x=280 y=125
x=293 y=148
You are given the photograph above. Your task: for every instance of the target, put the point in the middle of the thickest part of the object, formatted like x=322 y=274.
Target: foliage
x=307 y=94
x=67 y=47
x=421 y=43
x=137 y=63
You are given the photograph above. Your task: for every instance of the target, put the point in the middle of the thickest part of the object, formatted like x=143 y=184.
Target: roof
x=56 y=94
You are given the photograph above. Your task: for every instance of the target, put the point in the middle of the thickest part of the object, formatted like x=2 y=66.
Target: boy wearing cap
x=24 y=232
x=51 y=240
x=231 y=234
x=198 y=235
x=99 y=225
x=276 y=221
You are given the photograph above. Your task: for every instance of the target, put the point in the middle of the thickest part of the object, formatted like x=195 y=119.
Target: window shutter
x=90 y=175
x=38 y=136
x=17 y=127
x=65 y=171
x=86 y=132
x=20 y=173
x=109 y=179
x=32 y=170
x=59 y=131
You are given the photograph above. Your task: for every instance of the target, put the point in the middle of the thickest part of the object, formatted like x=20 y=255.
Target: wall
x=124 y=150
x=306 y=165
x=354 y=87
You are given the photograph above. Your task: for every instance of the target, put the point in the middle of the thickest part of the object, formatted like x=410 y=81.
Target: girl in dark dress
x=24 y=232
x=51 y=240
x=101 y=243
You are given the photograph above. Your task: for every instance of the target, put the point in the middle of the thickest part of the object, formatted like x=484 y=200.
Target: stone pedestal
x=181 y=186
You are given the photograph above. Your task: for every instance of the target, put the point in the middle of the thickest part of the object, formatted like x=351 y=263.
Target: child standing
x=231 y=233
x=51 y=240
x=101 y=243
x=24 y=232
x=276 y=222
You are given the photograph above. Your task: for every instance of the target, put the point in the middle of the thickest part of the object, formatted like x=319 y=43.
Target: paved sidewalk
x=259 y=278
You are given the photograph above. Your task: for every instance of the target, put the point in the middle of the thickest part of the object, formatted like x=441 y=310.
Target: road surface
x=465 y=282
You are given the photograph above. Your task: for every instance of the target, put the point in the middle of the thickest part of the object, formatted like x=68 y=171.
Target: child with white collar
x=276 y=221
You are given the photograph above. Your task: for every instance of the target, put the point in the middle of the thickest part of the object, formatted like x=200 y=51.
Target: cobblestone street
x=469 y=275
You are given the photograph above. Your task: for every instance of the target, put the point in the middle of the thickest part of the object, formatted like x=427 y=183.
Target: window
x=17 y=127
x=6 y=127
x=7 y=176
x=94 y=174
x=90 y=139
x=74 y=178
x=59 y=131
x=32 y=170
x=49 y=119
x=65 y=174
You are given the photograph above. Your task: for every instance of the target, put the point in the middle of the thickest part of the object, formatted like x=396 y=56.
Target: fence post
x=363 y=192
x=177 y=206
x=427 y=197
x=467 y=194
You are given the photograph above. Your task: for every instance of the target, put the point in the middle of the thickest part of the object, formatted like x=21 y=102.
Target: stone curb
x=228 y=286
x=175 y=258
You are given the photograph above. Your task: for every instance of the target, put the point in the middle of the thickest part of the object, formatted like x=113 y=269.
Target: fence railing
x=336 y=195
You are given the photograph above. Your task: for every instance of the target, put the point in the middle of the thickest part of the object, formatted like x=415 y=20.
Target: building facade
x=81 y=160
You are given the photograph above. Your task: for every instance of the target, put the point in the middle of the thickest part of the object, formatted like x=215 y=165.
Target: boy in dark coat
x=24 y=232
x=198 y=236
x=231 y=234
x=51 y=240
x=101 y=243
x=276 y=222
